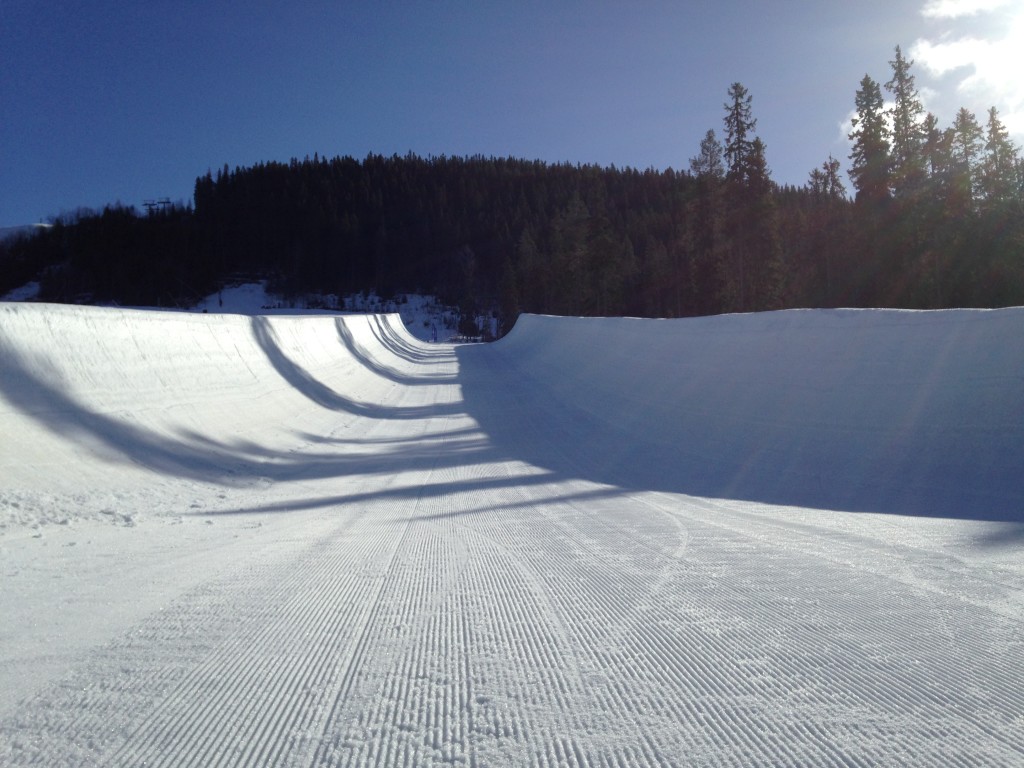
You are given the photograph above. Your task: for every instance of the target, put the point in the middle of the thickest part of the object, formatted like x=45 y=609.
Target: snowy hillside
x=278 y=539
x=424 y=317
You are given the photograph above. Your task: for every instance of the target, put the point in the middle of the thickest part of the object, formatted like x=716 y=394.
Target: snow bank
x=878 y=410
x=97 y=398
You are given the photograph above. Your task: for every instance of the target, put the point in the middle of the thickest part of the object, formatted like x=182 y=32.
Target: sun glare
x=987 y=70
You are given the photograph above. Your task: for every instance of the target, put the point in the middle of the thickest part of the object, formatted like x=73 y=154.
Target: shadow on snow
x=519 y=419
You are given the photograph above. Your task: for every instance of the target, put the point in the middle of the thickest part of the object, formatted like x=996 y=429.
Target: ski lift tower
x=152 y=206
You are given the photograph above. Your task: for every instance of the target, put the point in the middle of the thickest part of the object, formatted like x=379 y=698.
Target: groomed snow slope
x=788 y=538
x=888 y=411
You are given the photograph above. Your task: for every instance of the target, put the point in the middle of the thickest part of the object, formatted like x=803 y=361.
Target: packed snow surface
x=790 y=538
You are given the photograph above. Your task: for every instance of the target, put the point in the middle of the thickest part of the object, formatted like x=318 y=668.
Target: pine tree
x=834 y=187
x=739 y=125
x=708 y=164
x=705 y=227
x=827 y=227
x=998 y=173
x=907 y=129
x=767 y=278
x=934 y=152
x=534 y=277
x=816 y=182
x=656 y=280
x=751 y=257
x=965 y=142
x=508 y=292
x=872 y=164
x=570 y=257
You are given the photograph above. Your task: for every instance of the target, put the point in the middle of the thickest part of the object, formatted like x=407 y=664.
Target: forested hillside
x=936 y=219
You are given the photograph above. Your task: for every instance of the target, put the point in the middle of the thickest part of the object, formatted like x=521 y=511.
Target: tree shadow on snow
x=837 y=469
x=36 y=389
x=315 y=390
x=389 y=340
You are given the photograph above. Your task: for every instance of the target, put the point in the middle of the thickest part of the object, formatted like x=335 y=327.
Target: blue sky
x=104 y=102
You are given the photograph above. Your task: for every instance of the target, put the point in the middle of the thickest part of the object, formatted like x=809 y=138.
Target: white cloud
x=928 y=96
x=846 y=126
x=986 y=71
x=955 y=9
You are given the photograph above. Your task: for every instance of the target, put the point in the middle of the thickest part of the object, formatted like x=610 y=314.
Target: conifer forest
x=934 y=219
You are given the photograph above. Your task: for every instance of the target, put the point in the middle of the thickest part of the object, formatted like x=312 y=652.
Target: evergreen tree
x=739 y=125
x=708 y=164
x=655 y=292
x=907 y=129
x=816 y=182
x=834 y=187
x=767 y=276
x=824 y=183
x=934 y=150
x=751 y=257
x=871 y=168
x=966 y=146
x=508 y=297
x=936 y=153
x=570 y=257
x=705 y=222
x=828 y=231
x=533 y=277
x=998 y=173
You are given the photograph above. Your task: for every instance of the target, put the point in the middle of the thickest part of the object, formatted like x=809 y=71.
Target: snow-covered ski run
x=790 y=538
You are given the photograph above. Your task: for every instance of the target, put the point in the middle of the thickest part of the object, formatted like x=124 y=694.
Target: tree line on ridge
x=936 y=219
